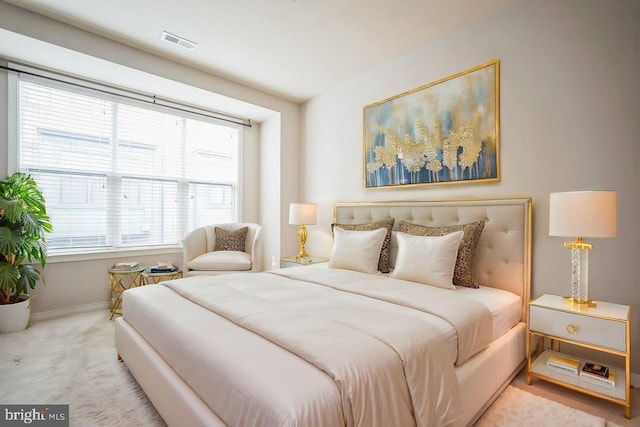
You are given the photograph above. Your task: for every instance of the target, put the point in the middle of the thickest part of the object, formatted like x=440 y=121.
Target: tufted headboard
x=503 y=257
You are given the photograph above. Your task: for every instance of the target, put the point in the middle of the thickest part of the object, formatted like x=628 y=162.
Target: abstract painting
x=445 y=132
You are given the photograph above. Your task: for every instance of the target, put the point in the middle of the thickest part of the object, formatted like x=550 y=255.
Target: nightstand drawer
x=577 y=327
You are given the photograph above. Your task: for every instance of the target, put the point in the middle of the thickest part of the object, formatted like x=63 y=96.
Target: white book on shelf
x=563 y=363
x=562 y=368
x=607 y=382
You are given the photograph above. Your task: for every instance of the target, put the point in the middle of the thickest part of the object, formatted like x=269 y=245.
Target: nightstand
x=297 y=262
x=604 y=328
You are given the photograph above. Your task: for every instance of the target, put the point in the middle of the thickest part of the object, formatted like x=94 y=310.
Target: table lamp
x=582 y=214
x=302 y=214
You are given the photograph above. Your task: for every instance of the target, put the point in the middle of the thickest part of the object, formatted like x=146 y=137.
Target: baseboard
x=67 y=311
x=635 y=380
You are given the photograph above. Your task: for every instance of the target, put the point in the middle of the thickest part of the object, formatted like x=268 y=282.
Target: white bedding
x=189 y=338
x=505 y=308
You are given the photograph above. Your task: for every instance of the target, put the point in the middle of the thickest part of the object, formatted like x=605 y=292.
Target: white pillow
x=357 y=250
x=427 y=259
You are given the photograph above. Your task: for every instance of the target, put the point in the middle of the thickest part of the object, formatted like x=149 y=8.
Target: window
x=120 y=175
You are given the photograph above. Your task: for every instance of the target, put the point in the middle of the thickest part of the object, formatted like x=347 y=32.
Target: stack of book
x=124 y=266
x=595 y=373
x=163 y=268
x=563 y=364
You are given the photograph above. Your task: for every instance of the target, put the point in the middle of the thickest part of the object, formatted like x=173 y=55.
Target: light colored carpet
x=516 y=407
x=72 y=360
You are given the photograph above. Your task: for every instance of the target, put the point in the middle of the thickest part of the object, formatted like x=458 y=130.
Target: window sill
x=112 y=254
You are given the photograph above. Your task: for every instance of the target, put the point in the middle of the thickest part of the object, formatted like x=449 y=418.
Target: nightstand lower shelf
x=539 y=369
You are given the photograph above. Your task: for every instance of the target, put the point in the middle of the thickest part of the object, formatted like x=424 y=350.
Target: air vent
x=177 y=40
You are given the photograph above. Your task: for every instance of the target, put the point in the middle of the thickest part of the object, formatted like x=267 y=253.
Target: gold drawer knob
x=571 y=328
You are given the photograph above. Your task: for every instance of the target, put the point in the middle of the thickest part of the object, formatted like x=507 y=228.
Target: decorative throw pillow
x=230 y=240
x=463 y=273
x=383 y=261
x=357 y=250
x=427 y=259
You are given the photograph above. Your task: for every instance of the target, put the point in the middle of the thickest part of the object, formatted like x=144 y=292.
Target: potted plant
x=23 y=224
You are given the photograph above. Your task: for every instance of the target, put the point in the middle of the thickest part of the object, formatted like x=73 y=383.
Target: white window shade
x=117 y=175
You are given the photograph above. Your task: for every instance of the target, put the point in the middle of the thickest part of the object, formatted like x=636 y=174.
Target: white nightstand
x=297 y=262
x=604 y=328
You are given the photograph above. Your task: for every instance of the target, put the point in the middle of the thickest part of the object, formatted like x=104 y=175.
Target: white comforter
x=343 y=334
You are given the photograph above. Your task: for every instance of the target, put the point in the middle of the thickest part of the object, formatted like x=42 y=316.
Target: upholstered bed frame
x=503 y=261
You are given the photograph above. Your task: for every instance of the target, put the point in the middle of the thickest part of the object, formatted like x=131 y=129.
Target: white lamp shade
x=583 y=214
x=302 y=214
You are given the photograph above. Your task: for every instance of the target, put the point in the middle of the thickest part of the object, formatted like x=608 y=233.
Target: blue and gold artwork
x=445 y=132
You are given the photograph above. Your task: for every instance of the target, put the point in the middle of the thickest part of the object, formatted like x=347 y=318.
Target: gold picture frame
x=445 y=132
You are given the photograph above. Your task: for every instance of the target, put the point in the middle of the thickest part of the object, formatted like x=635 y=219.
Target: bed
x=334 y=345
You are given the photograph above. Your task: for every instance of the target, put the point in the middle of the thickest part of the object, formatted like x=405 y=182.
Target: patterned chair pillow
x=463 y=272
x=383 y=261
x=230 y=240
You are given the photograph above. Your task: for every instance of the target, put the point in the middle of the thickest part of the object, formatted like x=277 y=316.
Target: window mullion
x=183 y=185
x=114 y=184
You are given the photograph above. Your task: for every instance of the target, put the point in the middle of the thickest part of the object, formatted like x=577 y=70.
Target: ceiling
x=295 y=49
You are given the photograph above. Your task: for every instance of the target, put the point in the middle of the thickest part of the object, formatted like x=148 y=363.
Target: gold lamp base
x=302 y=237
x=580 y=305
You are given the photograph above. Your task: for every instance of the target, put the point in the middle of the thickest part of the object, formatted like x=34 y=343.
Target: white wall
x=570 y=102
x=268 y=147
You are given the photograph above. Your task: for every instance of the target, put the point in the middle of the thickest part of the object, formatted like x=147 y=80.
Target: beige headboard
x=503 y=258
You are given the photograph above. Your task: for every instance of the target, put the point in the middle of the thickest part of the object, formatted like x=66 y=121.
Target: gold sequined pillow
x=230 y=240
x=463 y=271
x=383 y=261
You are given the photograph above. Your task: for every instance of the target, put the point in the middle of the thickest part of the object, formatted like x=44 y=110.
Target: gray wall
x=570 y=102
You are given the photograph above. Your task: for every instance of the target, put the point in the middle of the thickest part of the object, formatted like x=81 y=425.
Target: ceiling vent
x=177 y=40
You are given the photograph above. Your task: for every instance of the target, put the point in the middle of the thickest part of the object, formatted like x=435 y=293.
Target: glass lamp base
x=579 y=275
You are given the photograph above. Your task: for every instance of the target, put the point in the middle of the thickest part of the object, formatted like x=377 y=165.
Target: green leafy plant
x=23 y=224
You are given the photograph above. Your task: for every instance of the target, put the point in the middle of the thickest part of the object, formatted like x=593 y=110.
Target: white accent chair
x=199 y=257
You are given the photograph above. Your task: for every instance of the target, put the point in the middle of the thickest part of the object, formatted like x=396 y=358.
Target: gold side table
x=149 y=278
x=120 y=281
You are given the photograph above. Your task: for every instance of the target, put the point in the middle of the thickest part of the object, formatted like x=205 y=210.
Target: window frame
x=63 y=83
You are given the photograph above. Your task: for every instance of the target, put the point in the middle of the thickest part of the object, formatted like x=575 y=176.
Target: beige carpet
x=516 y=407
x=72 y=360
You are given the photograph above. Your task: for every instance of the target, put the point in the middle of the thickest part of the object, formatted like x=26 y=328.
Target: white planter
x=15 y=317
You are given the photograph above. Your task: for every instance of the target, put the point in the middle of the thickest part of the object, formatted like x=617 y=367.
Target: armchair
x=201 y=258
